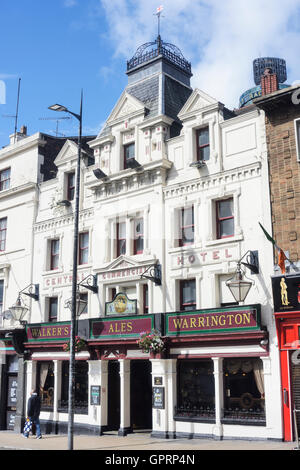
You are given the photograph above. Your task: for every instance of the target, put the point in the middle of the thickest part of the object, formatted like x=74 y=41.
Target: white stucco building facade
x=182 y=186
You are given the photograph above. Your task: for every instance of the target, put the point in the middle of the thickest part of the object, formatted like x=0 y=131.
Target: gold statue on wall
x=284 y=294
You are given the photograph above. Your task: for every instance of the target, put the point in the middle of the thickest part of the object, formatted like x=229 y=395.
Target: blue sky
x=59 y=47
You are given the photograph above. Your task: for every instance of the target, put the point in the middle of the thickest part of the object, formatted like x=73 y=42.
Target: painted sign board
x=213 y=321
x=121 y=305
x=158 y=398
x=125 y=327
x=286 y=293
x=48 y=332
x=95 y=394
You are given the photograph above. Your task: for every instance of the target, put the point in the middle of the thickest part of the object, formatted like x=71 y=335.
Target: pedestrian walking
x=33 y=413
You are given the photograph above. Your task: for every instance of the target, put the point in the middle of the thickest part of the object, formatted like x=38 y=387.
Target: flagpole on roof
x=158 y=13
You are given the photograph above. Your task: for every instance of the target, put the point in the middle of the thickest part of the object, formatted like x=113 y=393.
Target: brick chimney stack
x=269 y=82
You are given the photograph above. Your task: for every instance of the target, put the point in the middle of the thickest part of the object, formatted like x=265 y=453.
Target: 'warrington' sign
x=213 y=321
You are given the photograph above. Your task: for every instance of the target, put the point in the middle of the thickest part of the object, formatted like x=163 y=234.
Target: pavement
x=137 y=443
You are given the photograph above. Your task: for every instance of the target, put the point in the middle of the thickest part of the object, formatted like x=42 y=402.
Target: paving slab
x=110 y=442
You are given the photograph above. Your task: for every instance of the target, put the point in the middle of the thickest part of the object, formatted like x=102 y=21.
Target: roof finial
x=158 y=13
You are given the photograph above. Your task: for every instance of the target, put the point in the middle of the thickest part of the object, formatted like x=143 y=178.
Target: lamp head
x=57 y=107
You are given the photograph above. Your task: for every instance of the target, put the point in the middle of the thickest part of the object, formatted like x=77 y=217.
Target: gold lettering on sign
x=212 y=321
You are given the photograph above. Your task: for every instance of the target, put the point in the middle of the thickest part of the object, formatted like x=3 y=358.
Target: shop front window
x=81 y=388
x=196 y=391
x=244 y=395
x=46 y=384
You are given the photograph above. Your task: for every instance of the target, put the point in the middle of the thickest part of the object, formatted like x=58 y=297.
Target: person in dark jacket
x=33 y=412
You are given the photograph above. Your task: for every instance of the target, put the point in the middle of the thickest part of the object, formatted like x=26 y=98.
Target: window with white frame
x=5 y=179
x=224 y=218
x=202 y=144
x=121 y=238
x=1 y=295
x=138 y=236
x=3 y=230
x=70 y=189
x=187 y=226
x=187 y=291
x=129 y=153
x=54 y=254
x=83 y=248
x=128 y=236
x=52 y=305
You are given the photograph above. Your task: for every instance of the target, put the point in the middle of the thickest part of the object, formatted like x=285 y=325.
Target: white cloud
x=220 y=38
x=70 y=3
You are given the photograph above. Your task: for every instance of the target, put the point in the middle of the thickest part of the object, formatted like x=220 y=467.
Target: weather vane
x=158 y=14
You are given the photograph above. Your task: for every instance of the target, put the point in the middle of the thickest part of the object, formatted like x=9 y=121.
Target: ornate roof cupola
x=146 y=114
x=159 y=76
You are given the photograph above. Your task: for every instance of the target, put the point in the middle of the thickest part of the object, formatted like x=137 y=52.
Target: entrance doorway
x=140 y=395
x=113 y=405
x=295 y=379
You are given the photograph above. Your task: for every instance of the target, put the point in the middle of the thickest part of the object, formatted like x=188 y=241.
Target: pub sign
x=286 y=293
x=213 y=320
x=121 y=305
x=125 y=327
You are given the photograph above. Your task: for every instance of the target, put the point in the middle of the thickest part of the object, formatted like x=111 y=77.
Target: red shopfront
x=286 y=295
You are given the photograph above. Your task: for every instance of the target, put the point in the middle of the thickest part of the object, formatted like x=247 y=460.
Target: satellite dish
x=7 y=315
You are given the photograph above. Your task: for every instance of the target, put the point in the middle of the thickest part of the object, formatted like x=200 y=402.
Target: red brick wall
x=284 y=177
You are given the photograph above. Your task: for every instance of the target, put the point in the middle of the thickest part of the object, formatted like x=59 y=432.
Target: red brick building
x=282 y=117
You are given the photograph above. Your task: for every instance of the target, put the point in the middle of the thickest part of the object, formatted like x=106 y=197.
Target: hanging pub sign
x=213 y=320
x=121 y=305
x=286 y=293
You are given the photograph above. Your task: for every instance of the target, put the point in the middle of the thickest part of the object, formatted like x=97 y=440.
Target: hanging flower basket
x=151 y=341
x=80 y=344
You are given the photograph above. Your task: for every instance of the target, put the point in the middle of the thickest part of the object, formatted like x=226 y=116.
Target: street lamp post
x=60 y=108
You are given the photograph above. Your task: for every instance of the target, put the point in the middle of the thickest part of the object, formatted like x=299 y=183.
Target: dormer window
x=202 y=144
x=129 y=153
x=71 y=186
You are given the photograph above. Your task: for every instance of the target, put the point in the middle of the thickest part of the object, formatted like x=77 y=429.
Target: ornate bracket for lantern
x=33 y=291
x=252 y=261
x=89 y=282
x=153 y=273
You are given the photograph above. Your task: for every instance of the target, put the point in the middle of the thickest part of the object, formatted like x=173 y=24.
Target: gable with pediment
x=127 y=106
x=197 y=101
x=68 y=152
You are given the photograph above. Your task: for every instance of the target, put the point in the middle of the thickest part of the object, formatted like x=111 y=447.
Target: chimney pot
x=269 y=82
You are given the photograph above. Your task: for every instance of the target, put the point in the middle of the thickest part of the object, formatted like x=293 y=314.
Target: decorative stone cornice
x=235 y=175
x=63 y=221
x=130 y=180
